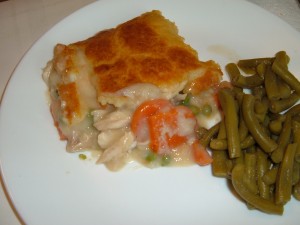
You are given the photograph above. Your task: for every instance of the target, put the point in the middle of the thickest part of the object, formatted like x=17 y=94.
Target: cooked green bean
x=247 y=142
x=261 y=108
x=239 y=80
x=221 y=144
x=209 y=135
x=257 y=131
x=243 y=130
x=250 y=172
x=258 y=202
x=231 y=122
x=239 y=160
x=201 y=132
x=218 y=144
x=270 y=176
x=259 y=92
x=286 y=75
x=271 y=85
x=233 y=72
x=284 y=88
x=296 y=191
x=296 y=138
x=282 y=58
x=253 y=63
x=283 y=140
x=261 y=69
x=221 y=164
x=266 y=171
x=277 y=106
x=263 y=165
x=275 y=125
x=293 y=111
x=296 y=173
x=283 y=189
x=296 y=118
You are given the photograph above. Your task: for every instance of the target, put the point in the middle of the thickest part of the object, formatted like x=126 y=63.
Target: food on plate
x=260 y=110
x=136 y=91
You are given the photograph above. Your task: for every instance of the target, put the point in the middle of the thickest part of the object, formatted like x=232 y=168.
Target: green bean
x=233 y=72
x=282 y=58
x=284 y=88
x=261 y=69
x=296 y=138
x=218 y=144
x=201 y=132
x=221 y=164
x=247 y=142
x=296 y=173
x=253 y=63
x=277 y=106
x=231 y=122
x=209 y=135
x=243 y=130
x=263 y=165
x=271 y=85
x=251 y=149
x=296 y=191
x=257 y=131
x=243 y=81
x=293 y=111
x=237 y=91
x=296 y=118
x=221 y=144
x=286 y=75
x=266 y=123
x=283 y=140
x=259 y=92
x=258 y=202
x=283 y=189
x=261 y=108
x=275 y=126
x=250 y=172
x=222 y=131
x=270 y=176
x=239 y=160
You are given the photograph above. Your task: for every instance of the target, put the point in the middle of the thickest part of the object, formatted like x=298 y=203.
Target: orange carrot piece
x=201 y=156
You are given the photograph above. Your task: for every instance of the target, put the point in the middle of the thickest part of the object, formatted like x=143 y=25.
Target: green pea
x=165 y=160
x=206 y=110
x=151 y=156
x=194 y=109
x=82 y=156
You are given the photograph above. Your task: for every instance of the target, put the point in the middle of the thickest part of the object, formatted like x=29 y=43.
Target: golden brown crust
x=144 y=49
x=70 y=101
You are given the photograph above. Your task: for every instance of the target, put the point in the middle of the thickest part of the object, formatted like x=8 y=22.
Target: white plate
x=49 y=186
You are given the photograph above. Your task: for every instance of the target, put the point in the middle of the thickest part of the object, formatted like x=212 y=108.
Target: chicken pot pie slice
x=97 y=84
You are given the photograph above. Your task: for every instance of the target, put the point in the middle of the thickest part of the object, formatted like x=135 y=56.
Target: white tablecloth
x=24 y=21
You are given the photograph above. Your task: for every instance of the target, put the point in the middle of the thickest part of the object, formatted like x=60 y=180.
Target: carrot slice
x=145 y=110
x=201 y=155
x=164 y=130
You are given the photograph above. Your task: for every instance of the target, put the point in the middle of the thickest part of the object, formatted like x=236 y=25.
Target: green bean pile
x=257 y=143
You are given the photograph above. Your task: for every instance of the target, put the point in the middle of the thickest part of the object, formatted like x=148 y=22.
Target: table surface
x=23 y=22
